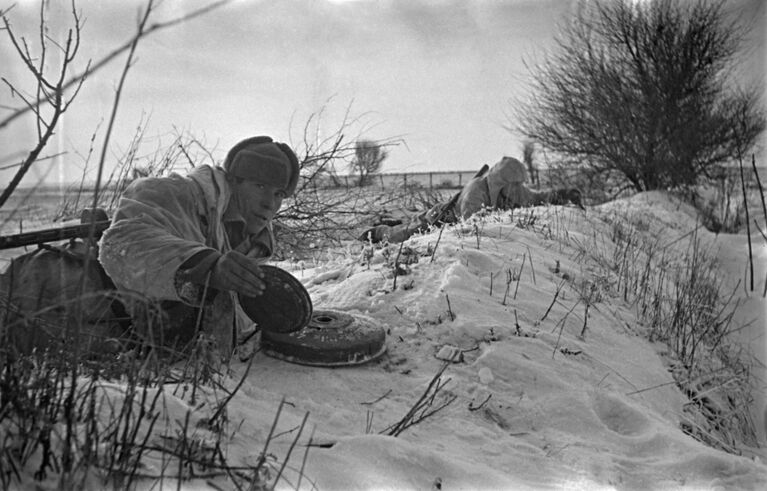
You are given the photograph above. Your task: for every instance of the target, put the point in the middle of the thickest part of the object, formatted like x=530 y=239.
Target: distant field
x=29 y=209
x=41 y=207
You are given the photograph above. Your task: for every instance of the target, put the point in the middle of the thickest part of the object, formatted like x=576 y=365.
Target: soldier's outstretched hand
x=237 y=272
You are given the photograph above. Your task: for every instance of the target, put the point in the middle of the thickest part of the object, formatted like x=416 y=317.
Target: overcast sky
x=441 y=75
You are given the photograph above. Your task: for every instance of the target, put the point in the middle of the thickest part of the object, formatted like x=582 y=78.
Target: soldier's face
x=258 y=203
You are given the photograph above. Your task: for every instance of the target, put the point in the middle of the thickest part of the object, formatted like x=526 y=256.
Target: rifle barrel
x=53 y=234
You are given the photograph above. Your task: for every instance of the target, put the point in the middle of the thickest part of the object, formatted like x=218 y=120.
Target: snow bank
x=538 y=405
x=540 y=402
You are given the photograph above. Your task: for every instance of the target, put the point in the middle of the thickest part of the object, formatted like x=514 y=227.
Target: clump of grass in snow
x=72 y=425
x=424 y=407
x=683 y=300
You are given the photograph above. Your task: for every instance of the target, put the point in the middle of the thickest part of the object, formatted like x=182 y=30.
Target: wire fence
x=457 y=179
x=427 y=180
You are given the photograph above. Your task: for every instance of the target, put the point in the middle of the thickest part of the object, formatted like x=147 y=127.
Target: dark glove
x=236 y=272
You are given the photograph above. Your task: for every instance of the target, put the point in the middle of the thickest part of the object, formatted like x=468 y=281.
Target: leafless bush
x=318 y=216
x=644 y=90
x=47 y=100
x=368 y=159
x=184 y=151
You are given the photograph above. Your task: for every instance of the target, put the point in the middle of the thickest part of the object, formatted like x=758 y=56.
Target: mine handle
x=54 y=234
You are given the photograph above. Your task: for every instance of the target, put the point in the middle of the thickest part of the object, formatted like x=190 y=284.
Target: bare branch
x=16 y=92
x=118 y=94
x=24 y=54
x=92 y=68
x=51 y=93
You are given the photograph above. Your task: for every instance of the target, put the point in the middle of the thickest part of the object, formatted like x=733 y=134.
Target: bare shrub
x=368 y=159
x=321 y=217
x=184 y=151
x=644 y=90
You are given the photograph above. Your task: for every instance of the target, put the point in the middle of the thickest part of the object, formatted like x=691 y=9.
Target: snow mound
x=544 y=394
x=540 y=404
x=654 y=211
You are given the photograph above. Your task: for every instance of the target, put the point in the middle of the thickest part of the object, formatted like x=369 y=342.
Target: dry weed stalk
x=71 y=430
x=434 y=251
x=519 y=276
x=685 y=304
x=510 y=275
x=553 y=300
x=424 y=407
x=748 y=225
x=449 y=310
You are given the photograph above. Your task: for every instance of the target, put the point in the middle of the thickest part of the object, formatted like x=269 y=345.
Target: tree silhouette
x=368 y=157
x=528 y=158
x=644 y=91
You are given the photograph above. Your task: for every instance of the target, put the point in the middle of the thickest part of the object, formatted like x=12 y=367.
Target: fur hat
x=503 y=174
x=261 y=159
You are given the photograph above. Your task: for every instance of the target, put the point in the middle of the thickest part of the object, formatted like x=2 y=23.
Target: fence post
x=460 y=177
x=430 y=183
x=404 y=176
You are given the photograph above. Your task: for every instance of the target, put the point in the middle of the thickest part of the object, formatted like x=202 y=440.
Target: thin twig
x=509 y=279
x=491 y=283
x=396 y=265
x=262 y=455
x=748 y=223
x=476 y=408
x=419 y=411
x=761 y=232
x=519 y=276
x=532 y=267
x=553 y=301
x=292 y=446
x=434 y=251
x=517 y=327
x=92 y=68
x=386 y=394
x=585 y=319
x=118 y=95
x=222 y=405
x=759 y=184
x=561 y=324
x=303 y=461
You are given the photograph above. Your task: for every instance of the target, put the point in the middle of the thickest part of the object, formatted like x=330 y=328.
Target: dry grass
x=683 y=302
x=121 y=420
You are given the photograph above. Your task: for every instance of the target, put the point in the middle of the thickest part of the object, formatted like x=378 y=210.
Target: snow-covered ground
x=537 y=404
x=537 y=407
